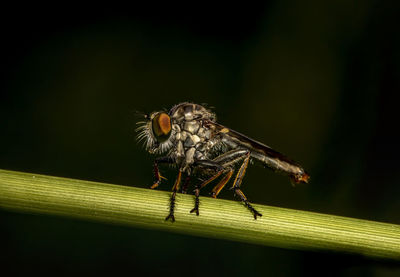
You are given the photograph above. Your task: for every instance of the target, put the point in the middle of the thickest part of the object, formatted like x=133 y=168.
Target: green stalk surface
x=221 y=219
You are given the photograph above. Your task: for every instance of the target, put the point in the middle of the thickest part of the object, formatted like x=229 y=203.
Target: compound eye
x=161 y=125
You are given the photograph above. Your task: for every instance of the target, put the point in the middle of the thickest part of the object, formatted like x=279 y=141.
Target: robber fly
x=190 y=138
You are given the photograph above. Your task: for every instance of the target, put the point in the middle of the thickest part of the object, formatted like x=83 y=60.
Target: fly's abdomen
x=295 y=172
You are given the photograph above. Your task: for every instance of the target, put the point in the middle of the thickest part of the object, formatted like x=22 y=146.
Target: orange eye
x=161 y=125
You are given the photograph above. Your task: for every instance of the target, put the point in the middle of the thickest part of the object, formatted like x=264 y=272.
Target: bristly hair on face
x=145 y=135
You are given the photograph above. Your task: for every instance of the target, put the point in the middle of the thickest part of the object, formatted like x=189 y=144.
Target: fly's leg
x=238 y=182
x=197 y=191
x=157 y=174
x=247 y=204
x=196 y=200
x=219 y=164
x=175 y=188
x=185 y=184
x=231 y=157
x=221 y=184
x=208 y=164
x=227 y=160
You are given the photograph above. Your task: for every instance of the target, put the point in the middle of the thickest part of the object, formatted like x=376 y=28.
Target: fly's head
x=156 y=132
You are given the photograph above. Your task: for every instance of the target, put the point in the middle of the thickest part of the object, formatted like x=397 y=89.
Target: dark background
x=316 y=80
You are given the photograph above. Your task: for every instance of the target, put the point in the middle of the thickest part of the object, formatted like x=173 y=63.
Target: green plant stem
x=218 y=218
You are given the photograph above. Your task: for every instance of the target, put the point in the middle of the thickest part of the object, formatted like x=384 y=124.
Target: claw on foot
x=170 y=216
x=159 y=178
x=154 y=185
x=195 y=210
x=255 y=214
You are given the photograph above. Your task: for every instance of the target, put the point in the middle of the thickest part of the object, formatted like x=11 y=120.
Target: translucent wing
x=261 y=152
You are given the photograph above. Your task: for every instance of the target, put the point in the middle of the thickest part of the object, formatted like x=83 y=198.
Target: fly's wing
x=262 y=153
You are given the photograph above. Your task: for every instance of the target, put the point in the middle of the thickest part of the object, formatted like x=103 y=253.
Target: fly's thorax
x=192 y=140
x=189 y=112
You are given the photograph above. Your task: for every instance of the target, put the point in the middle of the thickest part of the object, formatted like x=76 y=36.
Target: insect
x=189 y=137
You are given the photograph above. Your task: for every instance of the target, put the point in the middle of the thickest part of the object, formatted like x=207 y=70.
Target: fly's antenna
x=140 y=115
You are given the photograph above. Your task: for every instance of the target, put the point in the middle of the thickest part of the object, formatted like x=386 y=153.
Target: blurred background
x=315 y=80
